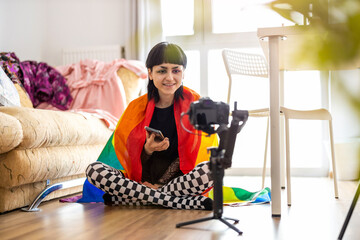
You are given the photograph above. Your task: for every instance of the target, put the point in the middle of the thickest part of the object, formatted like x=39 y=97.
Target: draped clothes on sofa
x=89 y=86
x=97 y=89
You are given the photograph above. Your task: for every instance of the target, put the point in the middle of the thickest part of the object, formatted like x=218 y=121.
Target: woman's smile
x=169 y=84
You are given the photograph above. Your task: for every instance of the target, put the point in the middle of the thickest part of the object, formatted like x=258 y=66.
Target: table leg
x=274 y=76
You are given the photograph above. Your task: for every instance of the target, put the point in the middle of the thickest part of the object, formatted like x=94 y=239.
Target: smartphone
x=158 y=134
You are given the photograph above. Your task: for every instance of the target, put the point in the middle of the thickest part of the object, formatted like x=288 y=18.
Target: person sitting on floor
x=174 y=172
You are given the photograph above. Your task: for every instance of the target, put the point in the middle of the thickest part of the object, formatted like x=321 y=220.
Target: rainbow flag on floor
x=233 y=196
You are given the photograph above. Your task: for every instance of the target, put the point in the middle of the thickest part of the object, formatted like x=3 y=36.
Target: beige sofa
x=44 y=147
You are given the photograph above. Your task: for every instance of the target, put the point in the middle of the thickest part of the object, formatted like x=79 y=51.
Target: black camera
x=205 y=113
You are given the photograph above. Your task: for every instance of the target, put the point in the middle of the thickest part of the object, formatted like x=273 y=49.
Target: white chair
x=246 y=64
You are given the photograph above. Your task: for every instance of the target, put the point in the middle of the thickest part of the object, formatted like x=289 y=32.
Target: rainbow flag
x=233 y=196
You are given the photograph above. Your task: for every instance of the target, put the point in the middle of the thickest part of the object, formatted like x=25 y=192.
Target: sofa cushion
x=46 y=128
x=20 y=167
x=10 y=131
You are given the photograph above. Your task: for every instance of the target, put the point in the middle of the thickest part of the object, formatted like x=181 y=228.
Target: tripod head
x=205 y=113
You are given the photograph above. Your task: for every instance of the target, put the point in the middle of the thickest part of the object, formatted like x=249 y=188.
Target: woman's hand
x=151 y=145
x=154 y=186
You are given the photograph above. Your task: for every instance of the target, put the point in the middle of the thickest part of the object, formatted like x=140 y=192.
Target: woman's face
x=167 y=78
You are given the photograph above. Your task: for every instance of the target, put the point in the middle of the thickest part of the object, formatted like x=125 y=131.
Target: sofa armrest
x=10 y=131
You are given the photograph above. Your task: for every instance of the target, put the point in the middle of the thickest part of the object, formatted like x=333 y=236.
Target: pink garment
x=97 y=89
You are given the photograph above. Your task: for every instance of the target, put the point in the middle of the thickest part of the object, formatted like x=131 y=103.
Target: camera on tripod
x=203 y=114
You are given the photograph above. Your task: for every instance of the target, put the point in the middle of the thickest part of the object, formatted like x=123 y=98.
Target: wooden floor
x=314 y=214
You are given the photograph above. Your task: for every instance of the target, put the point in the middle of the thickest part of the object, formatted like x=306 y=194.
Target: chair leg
x=282 y=156
x=333 y=159
x=265 y=154
x=288 y=174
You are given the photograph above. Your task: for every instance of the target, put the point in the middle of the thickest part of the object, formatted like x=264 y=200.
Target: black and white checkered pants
x=183 y=192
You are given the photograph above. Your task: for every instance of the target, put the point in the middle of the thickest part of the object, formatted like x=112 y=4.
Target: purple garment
x=45 y=84
x=11 y=66
x=42 y=82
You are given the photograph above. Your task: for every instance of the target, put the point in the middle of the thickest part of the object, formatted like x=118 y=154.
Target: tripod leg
x=194 y=221
x=231 y=226
x=348 y=216
x=232 y=219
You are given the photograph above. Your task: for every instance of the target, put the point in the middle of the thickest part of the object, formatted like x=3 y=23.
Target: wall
x=39 y=29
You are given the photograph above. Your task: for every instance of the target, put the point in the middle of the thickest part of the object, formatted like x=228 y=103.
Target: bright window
x=192 y=73
x=203 y=28
x=177 y=17
x=243 y=16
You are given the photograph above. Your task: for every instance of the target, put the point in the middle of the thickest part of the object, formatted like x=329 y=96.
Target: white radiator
x=102 y=53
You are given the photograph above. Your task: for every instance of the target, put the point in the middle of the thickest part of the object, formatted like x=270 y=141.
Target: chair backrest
x=248 y=64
